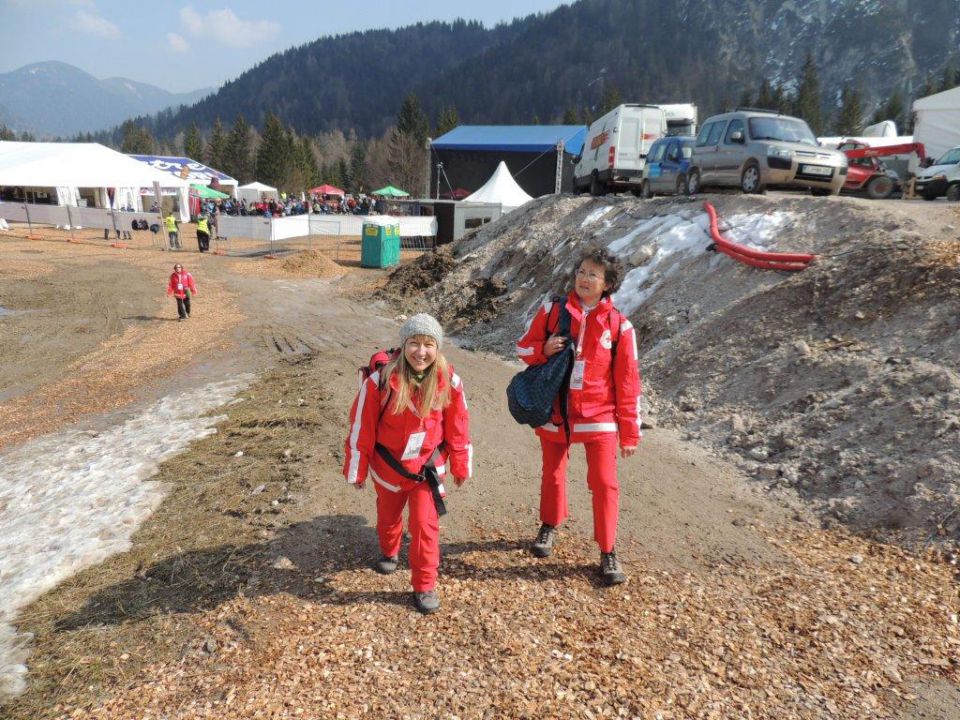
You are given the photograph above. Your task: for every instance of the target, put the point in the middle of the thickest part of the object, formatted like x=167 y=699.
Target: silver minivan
x=753 y=149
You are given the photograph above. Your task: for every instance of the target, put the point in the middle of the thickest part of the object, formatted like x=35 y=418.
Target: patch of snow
x=71 y=499
x=595 y=215
x=678 y=235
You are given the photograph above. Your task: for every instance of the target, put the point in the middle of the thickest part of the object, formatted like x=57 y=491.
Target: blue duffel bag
x=530 y=393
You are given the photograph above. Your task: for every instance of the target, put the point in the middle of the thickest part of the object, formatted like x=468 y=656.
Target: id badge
x=414 y=445
x=179 y=286
x=576 y=377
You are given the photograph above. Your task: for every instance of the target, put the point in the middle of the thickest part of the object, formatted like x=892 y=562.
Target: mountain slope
x=54 y=98
x=705 y=51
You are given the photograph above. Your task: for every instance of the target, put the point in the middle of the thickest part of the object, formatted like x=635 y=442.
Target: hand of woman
x=459 y=481
x=553 y=345
x=626 y=452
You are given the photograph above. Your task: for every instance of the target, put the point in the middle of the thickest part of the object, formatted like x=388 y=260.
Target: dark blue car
x=665 y=172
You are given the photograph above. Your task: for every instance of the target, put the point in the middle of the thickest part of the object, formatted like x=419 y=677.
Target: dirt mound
x=423 y=273
x=303 y=264
x=840 y=383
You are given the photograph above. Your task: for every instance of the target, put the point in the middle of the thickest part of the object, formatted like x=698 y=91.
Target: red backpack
x=377 y=362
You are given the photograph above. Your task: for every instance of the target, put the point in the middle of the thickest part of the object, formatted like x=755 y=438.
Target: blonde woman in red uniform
x=408 y=423
x=601 y=403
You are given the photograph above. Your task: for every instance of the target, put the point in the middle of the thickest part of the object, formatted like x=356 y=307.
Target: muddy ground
x=249 y=593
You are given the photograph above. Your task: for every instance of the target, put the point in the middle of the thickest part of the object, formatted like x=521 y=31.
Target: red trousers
x=601 y=479
x=424 y=531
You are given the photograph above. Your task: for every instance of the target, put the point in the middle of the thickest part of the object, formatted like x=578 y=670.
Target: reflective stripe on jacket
x=371 y=422
x=608 y=401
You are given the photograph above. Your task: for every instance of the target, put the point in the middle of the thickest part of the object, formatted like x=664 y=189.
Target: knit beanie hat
x=421 y=324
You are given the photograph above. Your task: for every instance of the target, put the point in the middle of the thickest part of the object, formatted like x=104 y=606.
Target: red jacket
x=609 y=398
x=179 y=282
x=369 y=424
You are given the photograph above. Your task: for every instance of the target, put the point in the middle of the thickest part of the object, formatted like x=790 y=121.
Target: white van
x=681 y=118
x=616 y=147
x=941 y=178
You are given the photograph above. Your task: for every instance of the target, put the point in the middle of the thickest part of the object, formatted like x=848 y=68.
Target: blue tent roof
x=514 y=138
x=197 y=172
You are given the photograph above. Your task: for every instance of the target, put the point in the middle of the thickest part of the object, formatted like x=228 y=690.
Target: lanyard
x=583 y=332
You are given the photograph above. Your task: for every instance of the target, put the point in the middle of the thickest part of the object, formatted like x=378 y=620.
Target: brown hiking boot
x=610 y=568
x=427 y=602
x=386 y=565
x=543 y=546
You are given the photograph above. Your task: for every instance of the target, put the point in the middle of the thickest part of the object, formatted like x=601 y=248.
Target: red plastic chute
x=752 y=257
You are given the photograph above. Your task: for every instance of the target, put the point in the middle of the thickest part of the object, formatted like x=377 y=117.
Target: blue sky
x=183 y=46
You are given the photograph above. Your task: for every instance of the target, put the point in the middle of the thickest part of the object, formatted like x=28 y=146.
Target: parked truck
x=616 y=146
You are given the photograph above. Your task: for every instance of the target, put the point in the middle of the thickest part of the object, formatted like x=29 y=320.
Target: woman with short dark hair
x=601 y=402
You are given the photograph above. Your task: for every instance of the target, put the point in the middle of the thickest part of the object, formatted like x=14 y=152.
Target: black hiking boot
x=386 y=565
x=543 y=546
x=610 y=568
x=427 y=602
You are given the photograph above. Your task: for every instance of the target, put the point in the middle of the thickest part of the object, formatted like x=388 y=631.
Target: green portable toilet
x=380 y=243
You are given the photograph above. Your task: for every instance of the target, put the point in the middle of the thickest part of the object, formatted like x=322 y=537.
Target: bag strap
x=428 y=472
x=562 y=327
x=561 y=315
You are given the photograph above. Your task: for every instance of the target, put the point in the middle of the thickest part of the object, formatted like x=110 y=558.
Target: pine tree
x=357 y=180
x=6 y=133
x=447 y=121
x=406 y=150
x=137 y=140
x=273 y=157
x=892 y=109
x=333 y=174
x=929 y=87
x=238 y=160
x=765 y=96
x=949 y=79
x=411 y=121
x=193 y=142
x=746 y=98
x=611 y=98
x=850 y=116
x=216 y=150
x=807 y=103
x=306 y=164
x=571 y=117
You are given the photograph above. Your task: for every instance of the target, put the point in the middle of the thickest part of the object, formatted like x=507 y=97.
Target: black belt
x=428 y=472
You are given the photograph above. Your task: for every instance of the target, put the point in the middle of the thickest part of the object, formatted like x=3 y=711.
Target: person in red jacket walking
x=602 y=403
x=181 y=286
x=407 y=424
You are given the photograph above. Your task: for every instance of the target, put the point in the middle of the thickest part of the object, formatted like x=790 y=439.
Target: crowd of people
x=286 y=205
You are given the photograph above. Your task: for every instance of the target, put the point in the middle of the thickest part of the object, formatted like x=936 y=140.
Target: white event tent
x=500 y=189
x=937 y=123
x=84 y=174
x=255 y=191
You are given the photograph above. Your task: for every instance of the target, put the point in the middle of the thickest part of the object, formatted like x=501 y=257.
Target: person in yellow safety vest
x=203 y=233
x=173 y=232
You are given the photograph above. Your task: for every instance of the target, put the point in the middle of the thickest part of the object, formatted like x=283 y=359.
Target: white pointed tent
x=67 y=167
x=501 y=189
x=255 y=192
